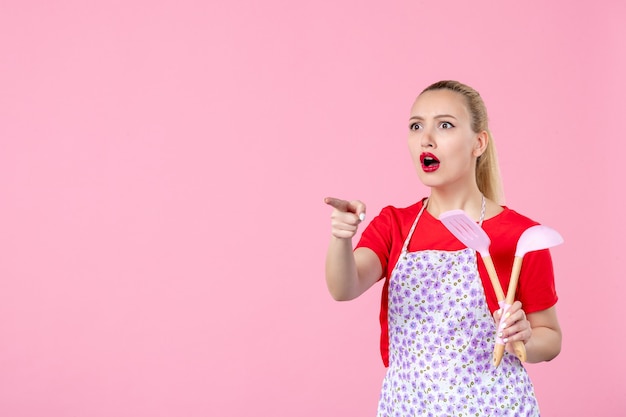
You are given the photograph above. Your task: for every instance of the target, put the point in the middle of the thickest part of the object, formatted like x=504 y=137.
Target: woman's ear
x=482 y=140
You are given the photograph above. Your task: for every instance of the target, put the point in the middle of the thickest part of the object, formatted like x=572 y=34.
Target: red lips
x=429 y=162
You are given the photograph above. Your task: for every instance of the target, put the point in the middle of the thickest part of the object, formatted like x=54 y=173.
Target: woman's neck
x=471 y=202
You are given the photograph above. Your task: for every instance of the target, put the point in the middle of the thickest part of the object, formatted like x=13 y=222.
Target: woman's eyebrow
x=439 y=116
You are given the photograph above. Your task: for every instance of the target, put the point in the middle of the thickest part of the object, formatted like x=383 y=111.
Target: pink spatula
x=474 y=237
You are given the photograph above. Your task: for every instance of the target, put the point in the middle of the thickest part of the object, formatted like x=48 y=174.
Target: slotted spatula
x=474 y=237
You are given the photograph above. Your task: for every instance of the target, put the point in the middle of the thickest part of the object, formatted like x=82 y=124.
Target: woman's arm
x=349 y=273
x=545 y=342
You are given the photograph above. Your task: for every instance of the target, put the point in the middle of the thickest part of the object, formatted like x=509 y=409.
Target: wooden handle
x=520 y=350
x=518 y=346
x=517 y=267
x=493 y=277
x=498 y=352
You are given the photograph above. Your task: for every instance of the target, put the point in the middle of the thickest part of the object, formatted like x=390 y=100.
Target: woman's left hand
x=515 y=325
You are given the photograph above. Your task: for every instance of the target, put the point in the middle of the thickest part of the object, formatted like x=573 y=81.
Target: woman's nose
x=427 y=140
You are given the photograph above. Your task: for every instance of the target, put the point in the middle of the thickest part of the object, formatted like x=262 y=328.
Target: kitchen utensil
x=532 y=239
x=474 y=237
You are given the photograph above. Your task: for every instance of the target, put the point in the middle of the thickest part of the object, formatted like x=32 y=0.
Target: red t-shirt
x=386 y=233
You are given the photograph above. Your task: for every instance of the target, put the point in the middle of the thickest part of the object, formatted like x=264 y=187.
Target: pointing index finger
x=356 y=207
x=341 y=205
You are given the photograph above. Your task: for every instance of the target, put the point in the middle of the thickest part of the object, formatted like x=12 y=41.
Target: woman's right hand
x=346 y=216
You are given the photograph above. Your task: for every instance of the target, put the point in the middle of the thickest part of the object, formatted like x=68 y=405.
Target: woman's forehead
x=437 y=102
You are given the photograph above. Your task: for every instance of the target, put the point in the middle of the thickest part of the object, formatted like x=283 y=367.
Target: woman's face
x=441 y=141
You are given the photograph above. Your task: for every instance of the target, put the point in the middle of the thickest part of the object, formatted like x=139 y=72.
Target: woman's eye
x=446 y=125
x=414 y=126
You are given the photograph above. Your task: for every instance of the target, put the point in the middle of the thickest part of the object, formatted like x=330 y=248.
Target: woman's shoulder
x=413 y=208
x=402 y=213
x=513 y=217
x=510 y=222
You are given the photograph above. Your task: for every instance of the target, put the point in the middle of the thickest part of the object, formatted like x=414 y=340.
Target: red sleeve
x=386 y=233
x=536 y=288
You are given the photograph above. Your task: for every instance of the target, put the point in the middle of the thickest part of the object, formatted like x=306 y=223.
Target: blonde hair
x=487 y=169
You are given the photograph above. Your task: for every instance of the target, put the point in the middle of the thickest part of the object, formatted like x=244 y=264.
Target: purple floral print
x=441 y=337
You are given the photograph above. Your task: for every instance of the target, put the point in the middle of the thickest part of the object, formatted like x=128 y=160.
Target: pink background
x=162 y=169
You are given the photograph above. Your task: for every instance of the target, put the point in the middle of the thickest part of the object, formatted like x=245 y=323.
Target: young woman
x=439 y=311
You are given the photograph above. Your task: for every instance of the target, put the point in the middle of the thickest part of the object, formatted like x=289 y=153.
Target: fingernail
x=499 y=334
x=362 y=216
x=506 y=316
x=506 y=339
x=503 y=325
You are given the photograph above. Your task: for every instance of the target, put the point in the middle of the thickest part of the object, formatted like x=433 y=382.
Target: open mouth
x=429 y=162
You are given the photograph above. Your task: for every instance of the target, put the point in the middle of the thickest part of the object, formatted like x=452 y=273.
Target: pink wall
x=162 y=169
